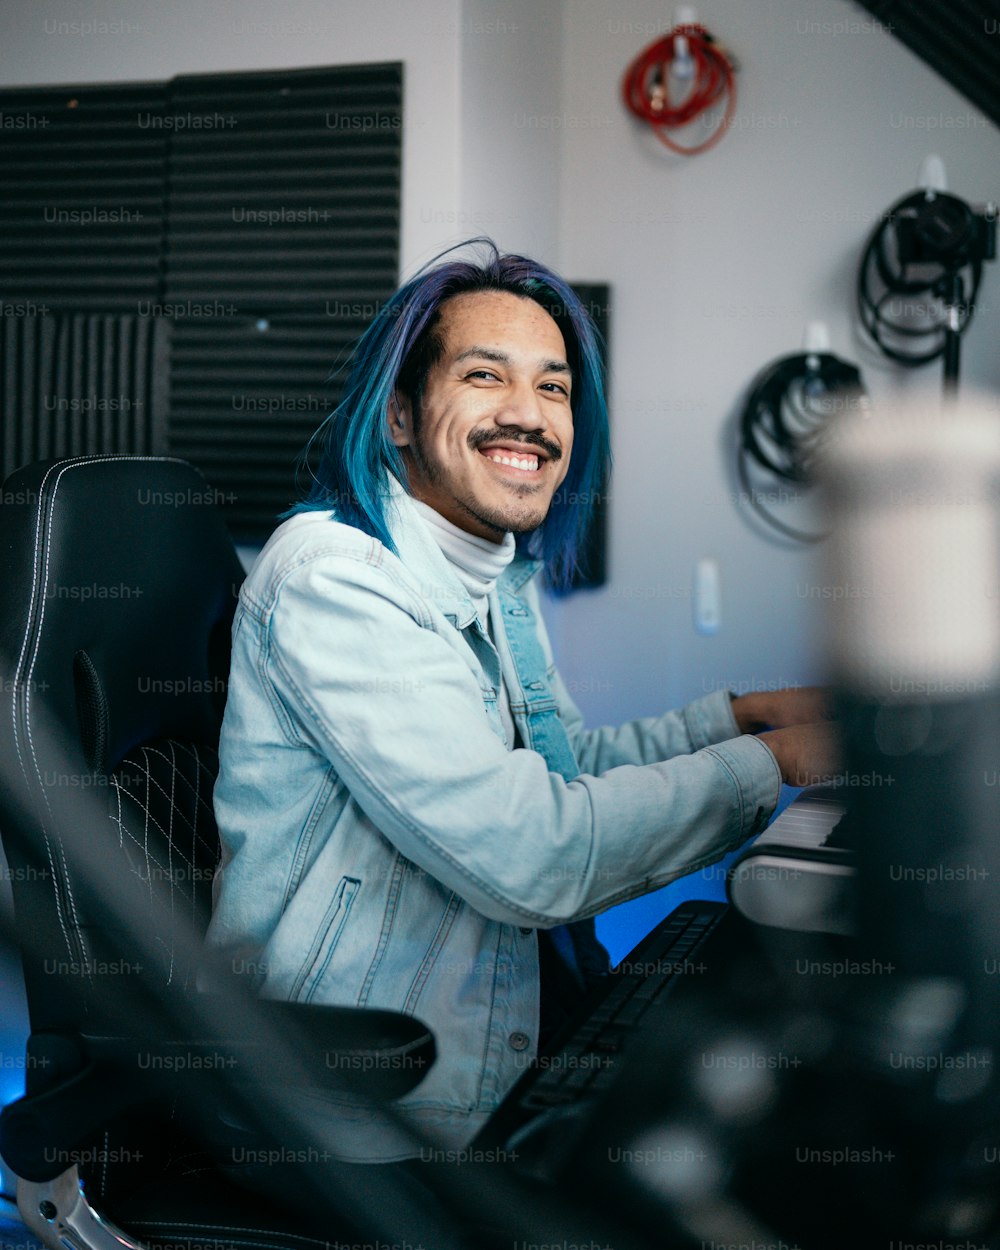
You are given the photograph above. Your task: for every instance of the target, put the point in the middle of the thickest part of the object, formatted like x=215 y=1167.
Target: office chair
x=117 y=590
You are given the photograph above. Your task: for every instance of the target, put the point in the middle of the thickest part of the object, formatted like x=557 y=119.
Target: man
x=408 y=801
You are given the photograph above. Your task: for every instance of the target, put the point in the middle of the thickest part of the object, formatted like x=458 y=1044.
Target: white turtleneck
x=477 y=563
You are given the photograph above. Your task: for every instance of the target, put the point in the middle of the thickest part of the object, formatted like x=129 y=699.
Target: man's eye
x=483 y=373
x=557 y=387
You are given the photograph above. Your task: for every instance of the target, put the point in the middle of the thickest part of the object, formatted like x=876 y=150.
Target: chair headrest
x=118 y=581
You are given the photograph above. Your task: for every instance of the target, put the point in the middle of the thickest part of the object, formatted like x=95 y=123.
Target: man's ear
x=399 y=416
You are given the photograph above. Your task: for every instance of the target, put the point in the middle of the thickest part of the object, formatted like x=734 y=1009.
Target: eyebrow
x=501 y=358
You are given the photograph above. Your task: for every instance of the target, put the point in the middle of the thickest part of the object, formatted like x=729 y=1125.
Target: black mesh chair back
x=118 y=582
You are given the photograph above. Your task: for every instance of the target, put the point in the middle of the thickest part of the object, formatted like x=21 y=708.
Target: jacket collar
x=422 y=557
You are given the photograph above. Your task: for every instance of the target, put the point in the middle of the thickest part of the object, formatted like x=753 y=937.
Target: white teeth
x=528 y=463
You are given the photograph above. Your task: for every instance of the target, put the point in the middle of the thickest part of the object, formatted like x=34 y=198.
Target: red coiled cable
x=646 y=87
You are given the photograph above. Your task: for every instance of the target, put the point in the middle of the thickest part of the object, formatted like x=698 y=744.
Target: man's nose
x=523 y=407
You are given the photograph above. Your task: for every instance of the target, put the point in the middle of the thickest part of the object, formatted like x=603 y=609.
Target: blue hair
x=356 y=453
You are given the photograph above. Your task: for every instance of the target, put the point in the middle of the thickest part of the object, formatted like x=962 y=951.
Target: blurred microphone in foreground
x=914 y=497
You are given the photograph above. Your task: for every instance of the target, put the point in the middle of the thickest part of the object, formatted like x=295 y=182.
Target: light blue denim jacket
x=382 y=844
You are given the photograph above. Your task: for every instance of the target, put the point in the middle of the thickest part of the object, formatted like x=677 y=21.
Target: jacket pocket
x=325 y=942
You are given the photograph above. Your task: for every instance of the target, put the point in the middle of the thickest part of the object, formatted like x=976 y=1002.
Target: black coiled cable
x=926 y=252
x=784 y=421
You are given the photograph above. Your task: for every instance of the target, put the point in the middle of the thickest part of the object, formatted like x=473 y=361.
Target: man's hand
x=778 y=709
x=807 y=755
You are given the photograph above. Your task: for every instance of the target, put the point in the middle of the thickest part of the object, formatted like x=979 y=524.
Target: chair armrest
x=370 y=1054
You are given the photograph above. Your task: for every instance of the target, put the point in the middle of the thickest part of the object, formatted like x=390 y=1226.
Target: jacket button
x=525 y=932
x=519 y=1041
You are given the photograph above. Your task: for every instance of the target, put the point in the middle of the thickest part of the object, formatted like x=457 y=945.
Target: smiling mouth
x=523 y=463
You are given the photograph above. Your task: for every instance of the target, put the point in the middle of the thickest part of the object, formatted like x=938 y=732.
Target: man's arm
x=646 y=740
x=397 y=708
x=806 y=749
x=650 y=739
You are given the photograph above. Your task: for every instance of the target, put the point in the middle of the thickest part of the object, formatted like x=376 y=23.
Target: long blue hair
x=356 y=454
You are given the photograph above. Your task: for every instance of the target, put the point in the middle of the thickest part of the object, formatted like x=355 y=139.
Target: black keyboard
x=585 y=1055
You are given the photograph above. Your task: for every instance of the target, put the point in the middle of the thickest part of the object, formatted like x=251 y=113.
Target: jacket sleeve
x=397 y=708
x=649 y=740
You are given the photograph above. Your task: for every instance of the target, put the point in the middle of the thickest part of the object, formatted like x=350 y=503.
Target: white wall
x=717 y=262
x=511 y=88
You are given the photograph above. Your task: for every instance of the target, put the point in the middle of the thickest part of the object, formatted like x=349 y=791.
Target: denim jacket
x=382 y=844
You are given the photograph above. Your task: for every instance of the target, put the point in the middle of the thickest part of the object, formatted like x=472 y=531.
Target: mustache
x=510 y=434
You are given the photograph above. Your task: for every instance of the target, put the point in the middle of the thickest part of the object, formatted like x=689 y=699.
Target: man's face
x=496 y=427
